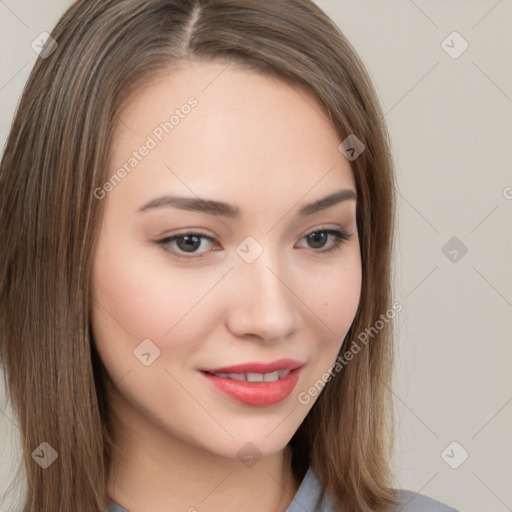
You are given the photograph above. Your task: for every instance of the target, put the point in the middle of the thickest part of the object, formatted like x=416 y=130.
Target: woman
x=197 y=215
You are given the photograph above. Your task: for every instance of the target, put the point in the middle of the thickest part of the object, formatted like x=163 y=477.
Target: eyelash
x=340 y=237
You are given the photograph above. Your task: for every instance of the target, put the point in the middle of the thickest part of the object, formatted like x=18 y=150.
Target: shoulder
x=410 y=501
x=311 y=489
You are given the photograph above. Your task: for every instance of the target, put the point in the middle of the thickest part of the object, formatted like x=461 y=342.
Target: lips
x=256 y=384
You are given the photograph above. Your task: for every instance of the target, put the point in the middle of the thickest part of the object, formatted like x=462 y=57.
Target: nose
x=262 y=303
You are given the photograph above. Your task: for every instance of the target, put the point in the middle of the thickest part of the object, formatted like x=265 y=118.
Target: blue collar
x=307 y=499
x=311 y=498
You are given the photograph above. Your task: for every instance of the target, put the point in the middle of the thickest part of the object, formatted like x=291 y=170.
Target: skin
x=268 y=148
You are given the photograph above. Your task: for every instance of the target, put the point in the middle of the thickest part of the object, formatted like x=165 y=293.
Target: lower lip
x=257 y=394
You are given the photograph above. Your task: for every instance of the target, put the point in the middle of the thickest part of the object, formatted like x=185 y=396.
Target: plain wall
x=450 y=121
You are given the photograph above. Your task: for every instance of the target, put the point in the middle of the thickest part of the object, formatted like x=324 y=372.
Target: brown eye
x=186 y=244
x=317 y=239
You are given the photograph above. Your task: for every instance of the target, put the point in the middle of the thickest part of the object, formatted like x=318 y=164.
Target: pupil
x=192 y=242
x=318 y=237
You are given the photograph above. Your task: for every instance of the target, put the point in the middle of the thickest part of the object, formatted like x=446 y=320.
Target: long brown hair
x=57 y=155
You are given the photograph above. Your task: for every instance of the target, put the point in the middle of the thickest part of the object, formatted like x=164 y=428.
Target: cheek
x=333 y=295
x=134 y=300
x=342 y=299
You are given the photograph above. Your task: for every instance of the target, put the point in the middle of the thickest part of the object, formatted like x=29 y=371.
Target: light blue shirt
x=310 y=491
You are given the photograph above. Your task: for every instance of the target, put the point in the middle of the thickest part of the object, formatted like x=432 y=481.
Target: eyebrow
x=211 y=207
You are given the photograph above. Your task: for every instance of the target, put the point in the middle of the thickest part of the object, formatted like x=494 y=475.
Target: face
x=177 y=290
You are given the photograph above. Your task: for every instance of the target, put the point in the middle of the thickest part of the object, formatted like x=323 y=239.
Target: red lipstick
x=282 y=374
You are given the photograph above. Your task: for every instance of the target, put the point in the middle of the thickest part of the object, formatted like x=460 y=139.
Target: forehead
x=245 y=133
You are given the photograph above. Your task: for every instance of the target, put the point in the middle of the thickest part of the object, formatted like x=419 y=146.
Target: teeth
x=236 y=376
x=270 y=377
x=255 y=377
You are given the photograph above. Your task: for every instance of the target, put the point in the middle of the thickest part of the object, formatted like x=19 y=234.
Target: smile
x=255 y=389
x=255 y=377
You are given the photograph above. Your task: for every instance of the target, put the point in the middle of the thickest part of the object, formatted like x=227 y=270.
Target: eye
x=186 y=242
x=320 y=236
x=183 y=246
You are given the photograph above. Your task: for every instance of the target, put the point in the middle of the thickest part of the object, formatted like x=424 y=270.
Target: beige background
x=450 y=120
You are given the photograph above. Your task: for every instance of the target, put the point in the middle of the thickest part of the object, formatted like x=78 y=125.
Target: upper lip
x=280 y=364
